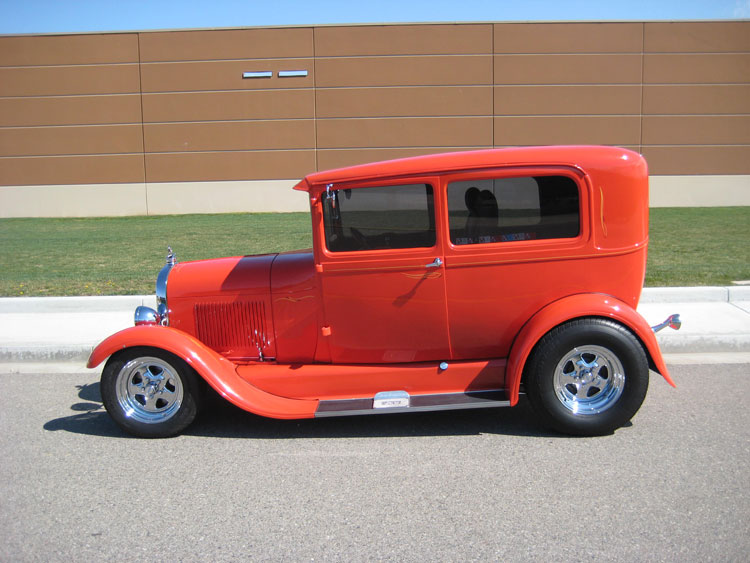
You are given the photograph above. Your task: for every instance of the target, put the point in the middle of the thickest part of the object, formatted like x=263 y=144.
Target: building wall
x=163 y=122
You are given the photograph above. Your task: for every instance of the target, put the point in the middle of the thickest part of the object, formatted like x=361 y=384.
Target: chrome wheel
x=149 y=390
x=588 y=380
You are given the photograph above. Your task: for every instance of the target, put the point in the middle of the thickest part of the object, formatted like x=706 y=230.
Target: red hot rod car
x=438 y=282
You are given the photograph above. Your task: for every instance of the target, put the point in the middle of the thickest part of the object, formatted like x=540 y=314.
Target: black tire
x=150 y=393
x=587 y=377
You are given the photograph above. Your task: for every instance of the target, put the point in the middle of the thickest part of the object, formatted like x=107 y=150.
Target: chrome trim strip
x=419 y=403
x=292 y=73
x=258 y=74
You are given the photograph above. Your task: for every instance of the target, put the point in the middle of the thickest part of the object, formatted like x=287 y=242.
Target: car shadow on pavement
x=220 y=419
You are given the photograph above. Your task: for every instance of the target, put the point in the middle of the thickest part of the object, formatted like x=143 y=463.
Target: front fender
x=569 y=308
x=220 y=373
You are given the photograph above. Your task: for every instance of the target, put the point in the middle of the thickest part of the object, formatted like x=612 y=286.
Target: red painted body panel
x=349 y=324
x=219 y=372
x=361 y=381
x=577 y=306
x=296 y=307
x=226 y=303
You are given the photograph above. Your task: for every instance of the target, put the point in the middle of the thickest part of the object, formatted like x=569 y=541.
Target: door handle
x=435 y=264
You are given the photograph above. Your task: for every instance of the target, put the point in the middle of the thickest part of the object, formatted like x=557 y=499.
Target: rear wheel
x=149 y=392
x=587 y=377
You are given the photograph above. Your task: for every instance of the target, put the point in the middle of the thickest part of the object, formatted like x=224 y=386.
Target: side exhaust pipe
x=672 y=321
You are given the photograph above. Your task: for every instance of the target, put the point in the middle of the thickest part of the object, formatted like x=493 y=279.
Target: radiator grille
x=236 y=329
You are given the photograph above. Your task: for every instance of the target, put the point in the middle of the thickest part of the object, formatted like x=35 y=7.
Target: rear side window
x=380 y=217
x=513 y=209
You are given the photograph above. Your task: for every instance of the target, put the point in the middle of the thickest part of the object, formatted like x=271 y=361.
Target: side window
x=513 y=209
x=379 y=218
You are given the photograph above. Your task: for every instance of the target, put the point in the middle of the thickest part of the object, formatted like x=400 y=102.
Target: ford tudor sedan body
x=437 y=282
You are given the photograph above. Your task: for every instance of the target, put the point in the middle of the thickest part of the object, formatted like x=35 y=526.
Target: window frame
x=584 y=202
x=377 y=254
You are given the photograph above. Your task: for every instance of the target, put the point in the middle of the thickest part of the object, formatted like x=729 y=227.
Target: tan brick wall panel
x=207 y=166
x=405 y=132
x=696 y=37
x=70 y=110
x=561 y=130
x=101 y=139
x=568 y=100
x=93 y=169
x=696 y=130
x=568 y=38
x=66 y=80
x=404 y=101
x=567 y=69
x=690 y=99
x=687 y=160
x=226 y=44
x=403 y=40
x=229 y=136
x=404 y=71
x=30 y=50
x=223 y=106
x=679 y=68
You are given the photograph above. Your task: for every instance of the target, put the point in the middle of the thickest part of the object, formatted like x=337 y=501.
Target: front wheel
x=587 y=377
x=150 y=393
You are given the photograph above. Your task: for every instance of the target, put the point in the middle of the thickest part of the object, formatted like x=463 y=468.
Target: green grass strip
x=122 y=255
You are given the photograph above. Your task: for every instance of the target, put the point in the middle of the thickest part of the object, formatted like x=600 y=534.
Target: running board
x=400 y=401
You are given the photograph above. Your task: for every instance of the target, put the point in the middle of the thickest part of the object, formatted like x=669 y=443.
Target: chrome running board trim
x=417 y=403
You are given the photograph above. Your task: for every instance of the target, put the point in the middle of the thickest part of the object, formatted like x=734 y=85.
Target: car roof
x=582 y=157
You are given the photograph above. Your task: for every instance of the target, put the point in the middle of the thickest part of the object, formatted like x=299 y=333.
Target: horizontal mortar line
x=136 y=63
x=567 y=53
x=562 y=84
x=221 y=151
x=378 y=117
x=683 y=53
x=72 y=155
x=138 y=123
x=147 y=153
x=696 y=115
x=139 y=94
x=312 y=119
x=225 y=90
x=76 y=95
x=638 y=53
x=171 y=92
x=239 y=60
x=411 y=116
x=73 y=65
x=676 y=146
x=70 y=125
x=56 y=96
x=246 y=120
x=409 y=147
x=693 y=84
x=319 y=57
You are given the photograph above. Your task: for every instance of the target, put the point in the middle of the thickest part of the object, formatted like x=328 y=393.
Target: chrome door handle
x=435 y=264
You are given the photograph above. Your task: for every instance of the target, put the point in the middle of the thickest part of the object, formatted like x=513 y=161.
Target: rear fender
x=567 y=309
x=219 y=372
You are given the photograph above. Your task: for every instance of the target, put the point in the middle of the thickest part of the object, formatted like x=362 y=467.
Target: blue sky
x=54 y=16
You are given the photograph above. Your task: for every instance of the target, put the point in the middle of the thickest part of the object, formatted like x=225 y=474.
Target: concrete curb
x=695 y=294
x=94 y=304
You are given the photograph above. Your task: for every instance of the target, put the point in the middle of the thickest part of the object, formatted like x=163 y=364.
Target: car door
x=382 y=274
x=518 y=240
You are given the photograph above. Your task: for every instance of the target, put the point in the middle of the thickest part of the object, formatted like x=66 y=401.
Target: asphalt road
x=481 y=485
